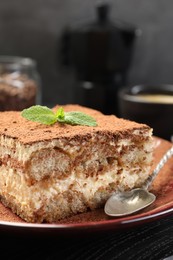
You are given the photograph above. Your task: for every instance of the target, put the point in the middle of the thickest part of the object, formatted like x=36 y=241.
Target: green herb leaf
x=40 y=114
x=45 y=115
x=78 y=118
x=60 y=113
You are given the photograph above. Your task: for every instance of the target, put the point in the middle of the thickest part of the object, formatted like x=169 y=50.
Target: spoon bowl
x=128 y=202
x=119 y=204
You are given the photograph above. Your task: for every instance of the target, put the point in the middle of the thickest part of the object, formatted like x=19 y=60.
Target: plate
x=97 y=220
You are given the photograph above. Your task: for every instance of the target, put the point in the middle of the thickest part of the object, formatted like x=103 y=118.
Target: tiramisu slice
x=51 y=172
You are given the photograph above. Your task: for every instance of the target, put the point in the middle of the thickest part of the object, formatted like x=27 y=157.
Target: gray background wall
x=32 y=28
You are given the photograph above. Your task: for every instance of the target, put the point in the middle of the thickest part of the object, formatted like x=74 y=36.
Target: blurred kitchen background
x=41 y=30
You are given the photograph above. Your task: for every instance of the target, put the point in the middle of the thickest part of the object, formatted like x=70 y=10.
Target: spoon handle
x=159 y=166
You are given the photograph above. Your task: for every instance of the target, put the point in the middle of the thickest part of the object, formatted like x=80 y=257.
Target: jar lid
x=16 y=63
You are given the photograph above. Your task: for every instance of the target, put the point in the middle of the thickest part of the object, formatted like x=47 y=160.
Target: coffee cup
x=152 y=105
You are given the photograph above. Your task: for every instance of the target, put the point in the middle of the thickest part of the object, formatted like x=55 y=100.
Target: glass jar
x=19 y=83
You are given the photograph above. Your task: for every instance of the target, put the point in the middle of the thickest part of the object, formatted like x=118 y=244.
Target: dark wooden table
x=148 y=241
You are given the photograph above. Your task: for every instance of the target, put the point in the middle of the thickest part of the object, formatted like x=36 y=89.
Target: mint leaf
x=40 y=114
x=60 y=113
x=45 y=115
x=78 y=118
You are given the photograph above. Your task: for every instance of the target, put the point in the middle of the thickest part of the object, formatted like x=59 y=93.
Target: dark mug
x=152 y=105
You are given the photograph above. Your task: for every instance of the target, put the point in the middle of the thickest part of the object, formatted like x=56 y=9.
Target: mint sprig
x=45 y=115
x=40 y=114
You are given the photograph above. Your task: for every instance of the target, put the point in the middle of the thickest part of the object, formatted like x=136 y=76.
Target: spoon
x=128 y=202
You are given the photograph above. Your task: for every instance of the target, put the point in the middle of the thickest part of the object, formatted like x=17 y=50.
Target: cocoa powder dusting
x=7 y=215
x=28 y=132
